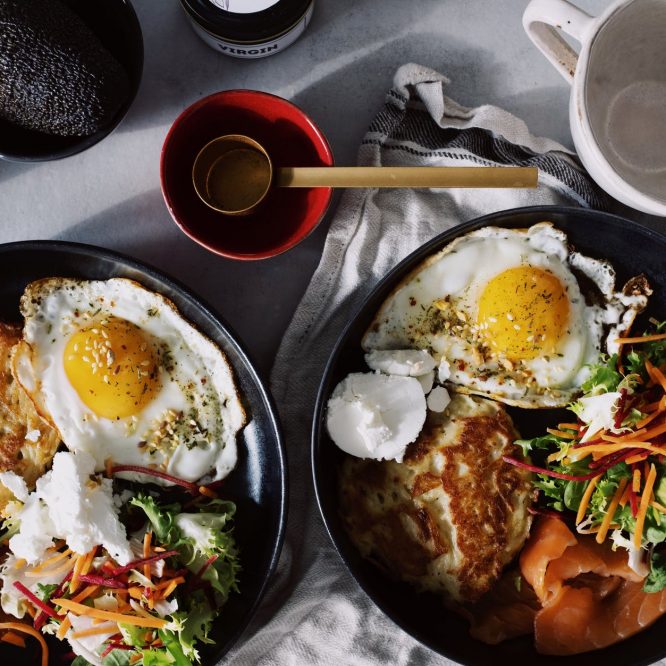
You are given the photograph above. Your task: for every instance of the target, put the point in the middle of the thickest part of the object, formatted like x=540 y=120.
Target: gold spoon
x=233 y=174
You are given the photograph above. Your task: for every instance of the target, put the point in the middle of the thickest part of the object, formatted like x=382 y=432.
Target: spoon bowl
x=232 y=174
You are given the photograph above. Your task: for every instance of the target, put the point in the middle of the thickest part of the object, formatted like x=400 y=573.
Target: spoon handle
x=407 y=177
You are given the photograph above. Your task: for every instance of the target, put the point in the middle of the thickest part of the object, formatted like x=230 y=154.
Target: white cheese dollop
x=403 y=362
x=68 y=504
x=443 y=370
x=16 y=484
x=376 y=416
x=439 y=399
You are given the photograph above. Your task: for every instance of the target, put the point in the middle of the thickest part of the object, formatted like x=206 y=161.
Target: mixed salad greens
x=606 y=468
x=153 y=611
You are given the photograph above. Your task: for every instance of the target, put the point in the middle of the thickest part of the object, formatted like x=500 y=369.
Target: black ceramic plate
x=632 y=249
x=116 y=25
x=257 y=484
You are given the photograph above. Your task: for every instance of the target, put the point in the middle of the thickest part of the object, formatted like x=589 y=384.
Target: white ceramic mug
x=617 y=111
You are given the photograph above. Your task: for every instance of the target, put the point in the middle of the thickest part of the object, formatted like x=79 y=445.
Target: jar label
x=244 y=6
x=260 y=50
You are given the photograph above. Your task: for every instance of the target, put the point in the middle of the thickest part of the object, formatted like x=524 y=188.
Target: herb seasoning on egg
x=249 y=28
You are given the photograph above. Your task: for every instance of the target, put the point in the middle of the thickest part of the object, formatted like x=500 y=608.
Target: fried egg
x=123 y=376
x=515 y=313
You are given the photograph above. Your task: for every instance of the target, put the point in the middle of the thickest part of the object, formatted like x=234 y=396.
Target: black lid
x=256 y=26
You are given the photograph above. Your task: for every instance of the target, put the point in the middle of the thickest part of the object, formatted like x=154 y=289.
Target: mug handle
x=541 y=20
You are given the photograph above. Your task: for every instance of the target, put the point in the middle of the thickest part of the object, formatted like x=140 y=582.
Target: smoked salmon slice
x=590 y=597
x=506 y=611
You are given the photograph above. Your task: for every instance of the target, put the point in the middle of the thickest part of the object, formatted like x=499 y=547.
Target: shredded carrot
x=613 y=448
x=610 y=514
x=135 y=658
x=51 y=560
x=135 y=592
x=561 y=433
x=95 y=631
x=80 y=609
x=646 y=497
x=568 y=426
x=159 y=549
x=639 y=457
x=85 y=593
x=644 y=338
x=87 y=563
x=649 y=418
x=585 y=500
x=207 y=492
x=108 y=467
x=136 y=607
x=62 y=569
x=625 y=495
x=166 y=583
x=168 y=589
x=13 y=639
x=63 y=628
x=636 y=481
x=146 y=552
x=26 y=628
x=74 y=583
x=658 y=507
x=657 y=375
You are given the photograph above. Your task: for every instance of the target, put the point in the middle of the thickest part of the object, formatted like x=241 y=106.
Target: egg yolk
x=524 y=312
x=113 y=366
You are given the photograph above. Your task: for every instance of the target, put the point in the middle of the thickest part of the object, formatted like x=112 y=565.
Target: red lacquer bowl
x=287 y=215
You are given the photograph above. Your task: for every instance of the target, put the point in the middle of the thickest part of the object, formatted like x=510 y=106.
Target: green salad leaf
x=44 y=592
x=118 y=658
x=544 y=442
x=656 y=579
x=203 y=538
x=159 y=658
x=604 y=377
x=161 y=518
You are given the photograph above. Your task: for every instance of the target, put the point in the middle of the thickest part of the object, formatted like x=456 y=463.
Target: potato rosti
x=452 y=514
x=27 y=442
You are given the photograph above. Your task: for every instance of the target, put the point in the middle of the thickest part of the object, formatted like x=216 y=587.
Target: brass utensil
x=233 y=174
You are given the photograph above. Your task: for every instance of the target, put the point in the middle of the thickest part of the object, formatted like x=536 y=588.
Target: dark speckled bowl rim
x=319 y=438
x=84 y=250
x=79 y=144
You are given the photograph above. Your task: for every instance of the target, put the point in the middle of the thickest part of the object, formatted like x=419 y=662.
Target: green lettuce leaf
x=161 y=518
x=544 y=442
x=158 y=658
x=118 y=658
x=604 y=377
x=655 y=581
x=191 y=625
x=44 y=592
x=207 y=535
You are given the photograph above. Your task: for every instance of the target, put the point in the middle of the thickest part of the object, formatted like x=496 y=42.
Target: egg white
x=460 y=273
x=197 y=380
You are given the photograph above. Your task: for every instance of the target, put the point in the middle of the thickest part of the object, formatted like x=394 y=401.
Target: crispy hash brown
x=27 y=442
x=452 y=514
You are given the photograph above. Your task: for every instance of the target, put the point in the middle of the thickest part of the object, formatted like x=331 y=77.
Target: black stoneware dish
x=632 y=249
x=116 y=25
x=257 y=484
